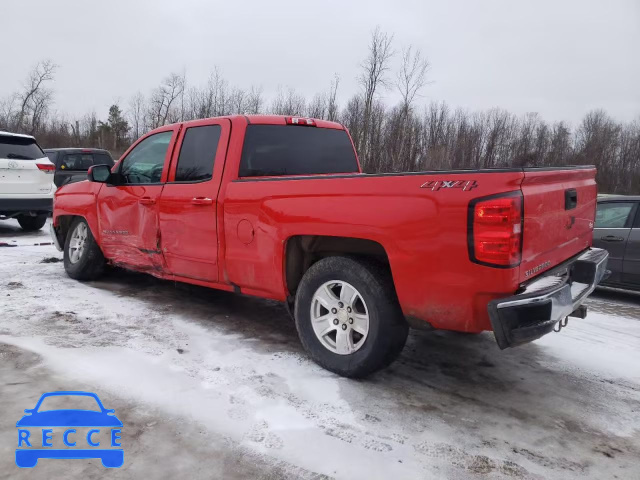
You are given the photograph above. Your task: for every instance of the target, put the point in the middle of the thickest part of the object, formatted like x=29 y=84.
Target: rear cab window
x=278 y=150
x=77 y=161
x=19 y=148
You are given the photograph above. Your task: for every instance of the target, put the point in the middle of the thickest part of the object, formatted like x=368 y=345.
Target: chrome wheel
x=339 y=317
x=78 y=242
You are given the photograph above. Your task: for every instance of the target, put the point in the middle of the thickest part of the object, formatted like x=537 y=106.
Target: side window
x=637 y=222
x=77 y=161
x=145 y=162
x=613 y=214
x=198 y=153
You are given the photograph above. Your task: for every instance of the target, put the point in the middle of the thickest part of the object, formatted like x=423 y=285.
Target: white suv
x=26 y=181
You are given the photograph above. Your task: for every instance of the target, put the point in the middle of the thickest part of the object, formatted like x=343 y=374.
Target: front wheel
x=348 y=317
x=31 y=224
x=83 y=259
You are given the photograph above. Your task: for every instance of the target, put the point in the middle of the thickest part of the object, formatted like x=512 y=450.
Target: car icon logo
x=12 y=164
x=79 y=433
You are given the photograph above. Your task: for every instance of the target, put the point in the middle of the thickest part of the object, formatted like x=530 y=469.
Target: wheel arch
x=302 y=251
x=63 y=225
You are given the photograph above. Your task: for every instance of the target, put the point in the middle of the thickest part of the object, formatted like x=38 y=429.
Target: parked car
x=617 y=230
x=278 y=207
x=26 y=181
x=72 y=164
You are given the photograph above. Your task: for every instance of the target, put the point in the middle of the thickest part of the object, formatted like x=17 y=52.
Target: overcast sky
x=560 y=58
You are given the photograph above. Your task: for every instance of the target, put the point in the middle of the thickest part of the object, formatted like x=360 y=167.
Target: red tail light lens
x=495 y=230
x=46 y=167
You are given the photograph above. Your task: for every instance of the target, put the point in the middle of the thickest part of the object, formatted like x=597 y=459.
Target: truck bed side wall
x=423 y=231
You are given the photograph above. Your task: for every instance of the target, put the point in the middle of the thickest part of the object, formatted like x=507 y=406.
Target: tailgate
x=559 y=212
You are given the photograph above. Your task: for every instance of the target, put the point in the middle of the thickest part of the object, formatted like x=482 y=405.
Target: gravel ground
x=214 y=385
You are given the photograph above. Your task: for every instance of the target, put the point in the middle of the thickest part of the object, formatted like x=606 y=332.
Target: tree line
x=408 y=136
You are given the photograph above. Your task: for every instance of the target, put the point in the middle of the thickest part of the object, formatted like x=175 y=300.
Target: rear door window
x=273 y=150
x=19 y=148
x=198 y=154
x=613 y=214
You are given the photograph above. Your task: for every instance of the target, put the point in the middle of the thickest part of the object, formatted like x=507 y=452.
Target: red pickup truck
x=278 y=207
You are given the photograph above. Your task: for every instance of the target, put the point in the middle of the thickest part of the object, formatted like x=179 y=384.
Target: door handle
x=147 y=201
x=611 y=238
x=201 y=201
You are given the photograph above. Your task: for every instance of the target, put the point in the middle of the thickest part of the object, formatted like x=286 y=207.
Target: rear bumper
x=547 y=300
x=25 y=205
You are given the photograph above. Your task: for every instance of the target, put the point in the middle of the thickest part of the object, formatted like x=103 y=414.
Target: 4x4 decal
x=436 y=185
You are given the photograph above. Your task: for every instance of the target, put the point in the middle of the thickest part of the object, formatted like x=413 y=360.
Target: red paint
x=225 y=233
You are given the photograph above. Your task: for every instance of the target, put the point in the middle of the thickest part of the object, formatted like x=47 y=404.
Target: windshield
x=19 y=148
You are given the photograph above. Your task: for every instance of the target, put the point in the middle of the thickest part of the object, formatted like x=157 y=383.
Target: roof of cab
x=271 y=120
x=19 y=135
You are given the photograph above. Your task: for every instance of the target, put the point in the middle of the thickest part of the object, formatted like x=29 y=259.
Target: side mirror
x=99 y=173
x=28 y=410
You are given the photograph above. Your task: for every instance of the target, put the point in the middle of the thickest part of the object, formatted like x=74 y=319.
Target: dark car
x=617 y=230
x=72 y=163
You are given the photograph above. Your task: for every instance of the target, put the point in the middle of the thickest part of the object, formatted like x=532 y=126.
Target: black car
x=72 y=163
x=617 y=230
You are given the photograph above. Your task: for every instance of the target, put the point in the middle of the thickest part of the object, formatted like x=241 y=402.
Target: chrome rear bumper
x=547 y=300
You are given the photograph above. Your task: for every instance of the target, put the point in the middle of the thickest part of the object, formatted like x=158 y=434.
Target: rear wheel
x=31 y=224
x=348 y=317
x=83 y=259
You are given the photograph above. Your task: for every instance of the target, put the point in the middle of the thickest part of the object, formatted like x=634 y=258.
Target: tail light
x=495 y=230
x=46 y=167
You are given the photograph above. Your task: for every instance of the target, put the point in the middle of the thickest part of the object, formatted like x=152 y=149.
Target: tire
x=387 y=329
x=31 y=224
x=89 y=263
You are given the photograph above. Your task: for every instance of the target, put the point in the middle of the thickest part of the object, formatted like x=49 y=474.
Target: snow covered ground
x=214 y=385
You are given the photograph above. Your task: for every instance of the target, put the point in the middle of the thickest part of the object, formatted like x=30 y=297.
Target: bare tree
x=412 y=76
x=317 y=108
x=35 y=98
x=255 y=100
x=374 y=75
x=164 y=98
x=238 y=101
x=332 y=103
x=288 y=103
x=136 y=114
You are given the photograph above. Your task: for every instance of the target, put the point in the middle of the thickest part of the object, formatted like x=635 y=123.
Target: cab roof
x=271 y=120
